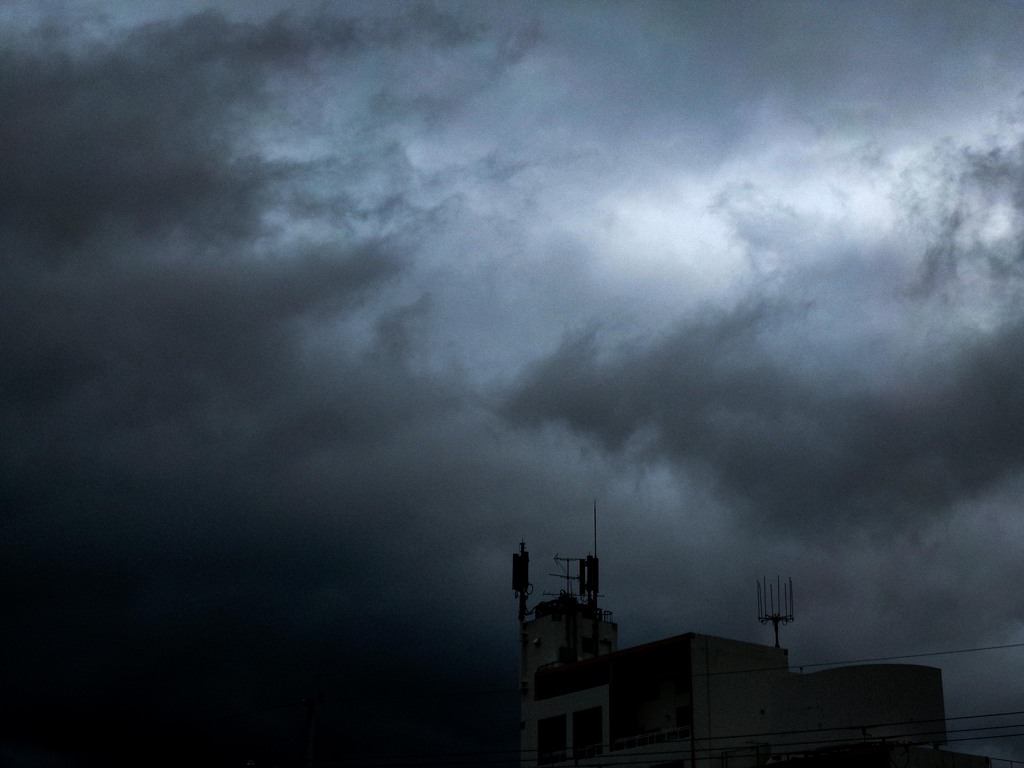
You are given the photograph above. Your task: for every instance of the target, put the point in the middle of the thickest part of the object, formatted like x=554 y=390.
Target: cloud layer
x=310 y=315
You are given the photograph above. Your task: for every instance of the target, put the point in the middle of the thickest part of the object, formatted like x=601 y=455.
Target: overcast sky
x=310 y=314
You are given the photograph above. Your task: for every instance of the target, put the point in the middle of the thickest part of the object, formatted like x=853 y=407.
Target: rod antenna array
x=775 y=603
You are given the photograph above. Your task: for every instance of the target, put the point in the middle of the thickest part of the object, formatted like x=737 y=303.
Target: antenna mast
x=521 y=578
x=775 y=603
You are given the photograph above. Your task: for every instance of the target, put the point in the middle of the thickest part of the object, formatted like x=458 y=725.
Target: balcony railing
x=627 y=742
x=591 y=750
x=655 y=737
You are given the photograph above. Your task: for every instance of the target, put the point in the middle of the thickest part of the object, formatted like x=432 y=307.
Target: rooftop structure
x=698 y=700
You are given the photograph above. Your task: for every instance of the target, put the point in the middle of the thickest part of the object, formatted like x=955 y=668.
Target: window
x=551 y=739
x=587 y=734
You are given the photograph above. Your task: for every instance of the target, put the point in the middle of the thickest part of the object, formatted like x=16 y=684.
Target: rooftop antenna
x=521 y=578
x=582 y=580
x=775 y=603
x=589 y=572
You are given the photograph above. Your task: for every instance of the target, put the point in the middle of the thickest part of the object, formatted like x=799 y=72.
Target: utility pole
x=310 y=720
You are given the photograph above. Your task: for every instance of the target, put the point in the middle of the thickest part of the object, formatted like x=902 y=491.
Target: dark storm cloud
x=150 y=133
x=809 y=437
x=791 y=448
x=133 y=133
x=169 y=388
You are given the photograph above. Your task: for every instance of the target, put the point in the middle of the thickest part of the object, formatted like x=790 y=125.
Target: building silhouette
x=703 y=701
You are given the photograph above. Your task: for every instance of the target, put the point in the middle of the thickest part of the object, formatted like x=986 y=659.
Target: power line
x=796 y=745
x=913 y=655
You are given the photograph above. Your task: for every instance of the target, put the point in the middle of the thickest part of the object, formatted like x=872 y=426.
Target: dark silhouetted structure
x=703 y=701
x=775 y=604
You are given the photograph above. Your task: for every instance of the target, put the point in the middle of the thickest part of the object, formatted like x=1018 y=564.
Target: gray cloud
x=801 y=446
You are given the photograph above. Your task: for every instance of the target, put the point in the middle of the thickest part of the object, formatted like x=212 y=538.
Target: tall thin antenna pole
x=595 y=527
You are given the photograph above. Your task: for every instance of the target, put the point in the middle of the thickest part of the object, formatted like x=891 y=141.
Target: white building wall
x=734 y=687
x=543 y=637
x=542 y=640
